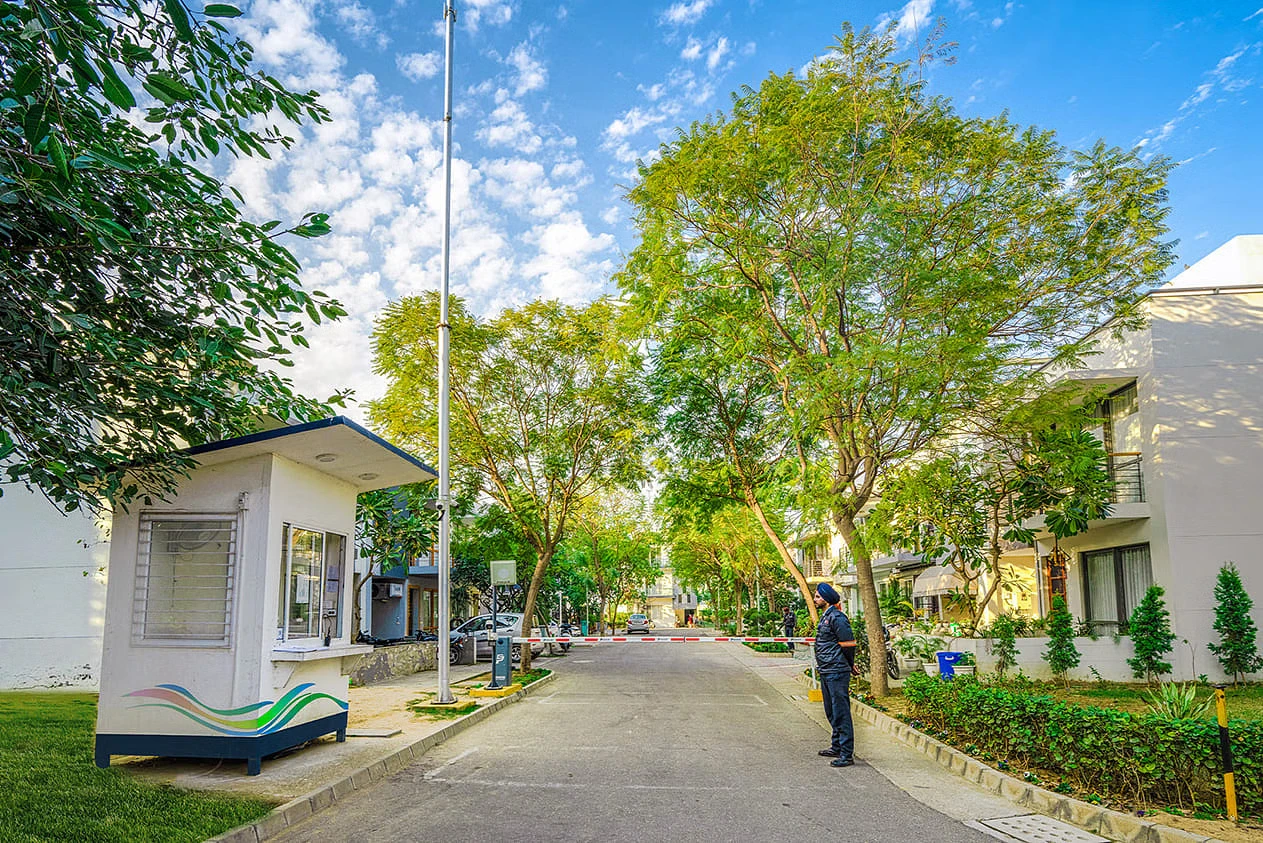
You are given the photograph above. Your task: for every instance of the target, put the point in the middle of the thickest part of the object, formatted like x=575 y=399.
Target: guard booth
x=227 y=622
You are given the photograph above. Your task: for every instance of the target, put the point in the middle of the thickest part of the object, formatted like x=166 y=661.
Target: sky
x=556 y=101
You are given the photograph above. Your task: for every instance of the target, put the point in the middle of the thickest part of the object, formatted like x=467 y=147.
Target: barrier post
x=1225 y=752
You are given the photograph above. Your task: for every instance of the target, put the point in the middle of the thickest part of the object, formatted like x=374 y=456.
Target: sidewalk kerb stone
x=297 y=810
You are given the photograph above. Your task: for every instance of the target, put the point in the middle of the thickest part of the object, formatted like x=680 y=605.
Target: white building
x=1183 y=423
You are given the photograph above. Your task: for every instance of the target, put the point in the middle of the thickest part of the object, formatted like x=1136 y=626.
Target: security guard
x=835 y=658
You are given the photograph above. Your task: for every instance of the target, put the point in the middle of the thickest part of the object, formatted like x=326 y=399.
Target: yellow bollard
x=1225 y=752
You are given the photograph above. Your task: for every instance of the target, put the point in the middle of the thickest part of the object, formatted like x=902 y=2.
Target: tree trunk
x=845 y=522
x=786 y=559
x=528 y=611
x=741 y=617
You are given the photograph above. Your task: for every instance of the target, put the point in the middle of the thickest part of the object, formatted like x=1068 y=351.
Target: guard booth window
x=312 y=564
x=185 y=579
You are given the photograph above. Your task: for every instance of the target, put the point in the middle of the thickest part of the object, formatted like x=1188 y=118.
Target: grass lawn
x=1244 y=702
x=52 y=791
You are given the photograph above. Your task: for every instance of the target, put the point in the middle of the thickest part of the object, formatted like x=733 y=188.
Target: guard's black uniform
x=833 y=662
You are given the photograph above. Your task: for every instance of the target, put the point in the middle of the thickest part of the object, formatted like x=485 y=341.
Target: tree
x=960 y=507
x=392 y=528
x=547 y=406
x=888 y=262
x=1061 y=655
x=141 y=309
x=724 y=438
x=1237 y=649
x=1150 y=630
x=611 y=543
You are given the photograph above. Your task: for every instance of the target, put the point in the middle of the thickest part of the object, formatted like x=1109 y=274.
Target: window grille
x=185 y=579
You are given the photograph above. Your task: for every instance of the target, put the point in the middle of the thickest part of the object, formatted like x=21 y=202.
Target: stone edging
x=297 y=810
x=1112 y=824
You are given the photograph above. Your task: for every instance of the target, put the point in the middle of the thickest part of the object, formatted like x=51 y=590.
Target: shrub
x=1178 y=702
x=1061 y=654
x=1004 y=643
x=1237 y=649
x=1148 y=757
x=1150 y=626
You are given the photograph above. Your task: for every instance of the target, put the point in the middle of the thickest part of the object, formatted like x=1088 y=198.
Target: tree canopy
x=888 y=260
x=547 y=406
x=140 y=307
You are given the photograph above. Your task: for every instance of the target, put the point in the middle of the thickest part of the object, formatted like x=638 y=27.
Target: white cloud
x=716 y=54
x=418 y=66
x=474 y=13
x=685 y=13
x=652 y=92
x=531 y=73
x=1222 y=77
x=567 y=263
x=633 y=121
x=611 y=215
x=360 y=23
x=913 y=20
x=692 y=50
x=508 y=125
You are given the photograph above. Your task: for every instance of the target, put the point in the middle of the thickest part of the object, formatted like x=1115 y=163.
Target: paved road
x=640 y=743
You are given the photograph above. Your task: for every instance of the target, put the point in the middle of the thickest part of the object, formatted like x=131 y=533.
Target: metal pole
x=1225 y=752
x=445 y=480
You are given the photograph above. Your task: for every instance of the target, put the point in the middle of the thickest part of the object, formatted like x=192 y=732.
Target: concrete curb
x=297 y=810
x=1111 y=824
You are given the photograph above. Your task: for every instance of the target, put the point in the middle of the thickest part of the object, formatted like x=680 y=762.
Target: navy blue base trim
x=251 y=750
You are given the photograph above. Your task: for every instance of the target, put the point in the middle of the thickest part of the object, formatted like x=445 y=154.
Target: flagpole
x=445 y=480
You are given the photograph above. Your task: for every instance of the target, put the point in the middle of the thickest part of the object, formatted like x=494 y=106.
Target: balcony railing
x=1129 y=480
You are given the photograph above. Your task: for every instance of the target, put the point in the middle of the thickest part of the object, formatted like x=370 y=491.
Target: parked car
x=637 y=623
x=479 y=627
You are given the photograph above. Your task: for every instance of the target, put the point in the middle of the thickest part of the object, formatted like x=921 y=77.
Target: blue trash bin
x=947 y=663
x=583 y=627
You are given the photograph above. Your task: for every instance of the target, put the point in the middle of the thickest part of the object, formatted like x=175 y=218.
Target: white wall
x=52 y=593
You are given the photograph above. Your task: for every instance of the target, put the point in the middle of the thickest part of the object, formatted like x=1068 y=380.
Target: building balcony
x=1126 y=473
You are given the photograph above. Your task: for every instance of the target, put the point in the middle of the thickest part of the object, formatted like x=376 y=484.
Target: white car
x=637 y=622
x=508 y=623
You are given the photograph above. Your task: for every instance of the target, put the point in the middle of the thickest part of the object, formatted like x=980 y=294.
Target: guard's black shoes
x=829 y=753
x=841 y=762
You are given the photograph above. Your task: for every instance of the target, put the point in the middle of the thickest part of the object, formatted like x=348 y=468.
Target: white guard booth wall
x=227 y=617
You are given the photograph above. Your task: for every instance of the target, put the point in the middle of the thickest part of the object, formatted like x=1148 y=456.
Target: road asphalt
x=647 y=742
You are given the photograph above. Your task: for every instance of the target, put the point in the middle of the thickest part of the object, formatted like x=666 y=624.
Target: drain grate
x=1035 y=828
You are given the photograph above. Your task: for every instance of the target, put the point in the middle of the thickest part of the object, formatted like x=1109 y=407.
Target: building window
x=312 y=563
x=1114 y=582
x=1118 y=428
x=185 y=579
x=1054 y=576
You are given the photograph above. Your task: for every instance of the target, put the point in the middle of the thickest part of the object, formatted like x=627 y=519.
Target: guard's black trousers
x=837 y=707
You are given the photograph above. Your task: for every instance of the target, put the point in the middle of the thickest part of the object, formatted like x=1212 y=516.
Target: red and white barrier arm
x=659 y=639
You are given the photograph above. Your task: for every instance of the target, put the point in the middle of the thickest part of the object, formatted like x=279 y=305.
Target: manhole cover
x=1036 y=828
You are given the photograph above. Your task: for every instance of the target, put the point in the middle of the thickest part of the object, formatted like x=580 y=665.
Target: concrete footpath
x=959 y=786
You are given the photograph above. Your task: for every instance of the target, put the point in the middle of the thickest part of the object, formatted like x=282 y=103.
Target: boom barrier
x=659 y=639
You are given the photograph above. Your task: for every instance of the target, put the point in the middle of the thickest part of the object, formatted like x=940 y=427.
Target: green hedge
x=1145 y=757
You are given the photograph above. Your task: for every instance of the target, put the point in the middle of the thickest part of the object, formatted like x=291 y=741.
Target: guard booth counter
x=228 y=620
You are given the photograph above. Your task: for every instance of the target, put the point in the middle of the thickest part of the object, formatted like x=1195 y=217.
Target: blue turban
x=829 y=593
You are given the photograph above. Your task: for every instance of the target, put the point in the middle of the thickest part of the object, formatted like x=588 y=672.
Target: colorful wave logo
x=260 y=718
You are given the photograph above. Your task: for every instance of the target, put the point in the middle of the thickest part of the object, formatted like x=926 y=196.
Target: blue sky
x=556 y=100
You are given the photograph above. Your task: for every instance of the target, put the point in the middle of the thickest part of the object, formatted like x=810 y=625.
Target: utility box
x=227 y=621
x=503 y=571
x=502 y=662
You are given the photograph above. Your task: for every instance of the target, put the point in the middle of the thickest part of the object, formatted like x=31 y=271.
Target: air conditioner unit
x=813 y=568
x=387 y=590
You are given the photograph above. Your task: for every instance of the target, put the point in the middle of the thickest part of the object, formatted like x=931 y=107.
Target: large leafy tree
x=547 y=406
x=138 y=302
x=887 y=260
x=724 y=438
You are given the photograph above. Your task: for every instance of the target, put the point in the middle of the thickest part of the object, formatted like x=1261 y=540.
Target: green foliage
x=885 y=261
x=52 y=791
x=548 y=407
x=894 y=605
x=1103 y=750
x=142 y=311
x=1150 y=630
x=923 y=647
x=1237 y=649
x=1178 y=701
x=1065 y=478
x=1003 y=634
x=1061 y=654
x=392 y=528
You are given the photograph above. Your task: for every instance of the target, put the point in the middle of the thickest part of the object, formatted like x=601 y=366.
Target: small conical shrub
x=1238 y=649
x=1061 y=654
x=1150 y=629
